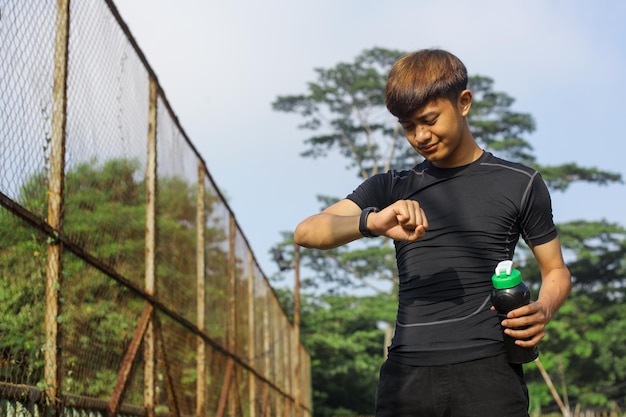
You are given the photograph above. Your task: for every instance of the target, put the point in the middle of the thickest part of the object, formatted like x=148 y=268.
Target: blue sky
x=222 y=63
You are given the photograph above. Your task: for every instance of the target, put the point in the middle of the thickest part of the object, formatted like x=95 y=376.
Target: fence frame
x=147 y=332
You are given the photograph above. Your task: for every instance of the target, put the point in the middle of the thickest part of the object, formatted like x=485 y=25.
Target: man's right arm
x=339 y=224
x=333 y=227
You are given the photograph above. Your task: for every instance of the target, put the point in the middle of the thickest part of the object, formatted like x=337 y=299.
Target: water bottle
x=509 y=293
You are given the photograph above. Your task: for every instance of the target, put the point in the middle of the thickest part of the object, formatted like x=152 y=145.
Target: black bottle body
x=505 y=300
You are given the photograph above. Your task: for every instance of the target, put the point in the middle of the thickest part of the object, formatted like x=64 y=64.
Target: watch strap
x=363 y=221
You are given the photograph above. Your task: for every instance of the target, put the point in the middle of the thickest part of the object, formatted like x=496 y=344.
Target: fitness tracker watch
x=363 y=221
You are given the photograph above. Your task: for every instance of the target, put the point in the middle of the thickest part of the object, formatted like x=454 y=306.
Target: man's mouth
x=429 y=147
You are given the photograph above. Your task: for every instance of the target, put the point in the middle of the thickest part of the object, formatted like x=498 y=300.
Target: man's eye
x=408 y=126
x=430 y=122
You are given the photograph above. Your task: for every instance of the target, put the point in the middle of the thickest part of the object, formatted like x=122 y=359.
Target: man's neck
x=467 y=153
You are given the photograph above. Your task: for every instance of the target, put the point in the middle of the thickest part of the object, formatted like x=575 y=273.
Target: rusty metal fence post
x=201 y=288
x=296 y=327
x=232 y=322
x=251 y=338
x=56 y=185
x=151 y=240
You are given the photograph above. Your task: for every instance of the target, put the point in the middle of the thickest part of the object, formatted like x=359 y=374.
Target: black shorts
x=490 y=387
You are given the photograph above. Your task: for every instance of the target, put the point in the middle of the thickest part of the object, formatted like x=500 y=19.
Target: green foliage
x=345 y=340
x=585 y=352
x=346 y=103
x=22 y=281
x=105 y=212
x=600 y=255
x=584 y=348
x=560 y=177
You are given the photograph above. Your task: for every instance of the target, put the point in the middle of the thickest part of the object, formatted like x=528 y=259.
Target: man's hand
x=556 y=284
x=403 y=220
x=527 y=324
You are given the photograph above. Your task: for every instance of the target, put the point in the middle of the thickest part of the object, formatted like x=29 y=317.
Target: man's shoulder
x=493 y=162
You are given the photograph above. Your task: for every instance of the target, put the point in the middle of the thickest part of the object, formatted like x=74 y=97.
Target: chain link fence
x=127 y=286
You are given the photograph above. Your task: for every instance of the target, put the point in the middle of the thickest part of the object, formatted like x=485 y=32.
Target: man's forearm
x=327 y=231
x=555 y=288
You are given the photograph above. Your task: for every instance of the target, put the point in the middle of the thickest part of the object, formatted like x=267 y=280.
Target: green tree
x=587 y=339
x=98 y=198
x=104 y=214
x=343 y=335
x=344 y=107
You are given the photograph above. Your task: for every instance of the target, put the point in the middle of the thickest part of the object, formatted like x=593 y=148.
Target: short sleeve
x=536 y=218
x=373 y=192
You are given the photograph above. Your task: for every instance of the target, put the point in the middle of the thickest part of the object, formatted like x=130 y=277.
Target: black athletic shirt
x=476 y=214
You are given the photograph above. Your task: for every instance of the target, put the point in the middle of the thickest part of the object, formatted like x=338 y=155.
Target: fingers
x=403 y=220
x=527 y=324
x=527 y=337
x=410 y=215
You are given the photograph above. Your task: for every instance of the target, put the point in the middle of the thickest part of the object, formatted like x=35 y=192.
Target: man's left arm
x=556 y=284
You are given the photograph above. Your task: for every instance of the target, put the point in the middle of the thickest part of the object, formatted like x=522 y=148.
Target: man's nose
x=422 y=133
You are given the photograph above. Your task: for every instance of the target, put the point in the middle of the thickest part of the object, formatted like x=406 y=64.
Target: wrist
x=365 y=231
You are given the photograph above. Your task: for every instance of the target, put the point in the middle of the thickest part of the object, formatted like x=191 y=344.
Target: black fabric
x=476 y=214
x=489 y=387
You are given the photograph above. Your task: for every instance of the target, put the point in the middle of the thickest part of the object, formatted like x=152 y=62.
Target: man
x=453 y=218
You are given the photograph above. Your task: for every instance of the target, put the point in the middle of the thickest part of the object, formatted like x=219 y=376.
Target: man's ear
x=465 y=102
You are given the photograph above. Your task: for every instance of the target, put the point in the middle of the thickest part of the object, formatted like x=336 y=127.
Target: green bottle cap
x=505 y=276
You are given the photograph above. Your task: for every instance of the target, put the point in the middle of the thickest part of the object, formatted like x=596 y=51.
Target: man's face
x=438 y=131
